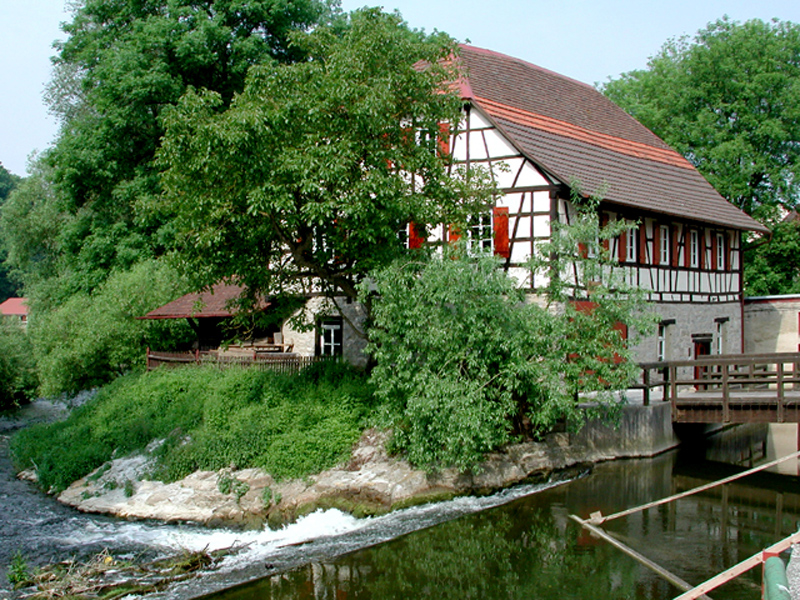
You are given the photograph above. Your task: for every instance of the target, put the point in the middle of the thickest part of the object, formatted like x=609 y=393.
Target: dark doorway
x=702 y=347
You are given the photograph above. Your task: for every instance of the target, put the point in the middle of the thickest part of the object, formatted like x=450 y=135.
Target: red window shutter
x=444 y=139
x=656 y=244
x=687 y=247
x=583 y=250
x=643 y=243
x=415 y=237
x=701 y=247
x=500 y=227
x=715 y=259
x=623 y=246
x=674 y=255
x=453 y=233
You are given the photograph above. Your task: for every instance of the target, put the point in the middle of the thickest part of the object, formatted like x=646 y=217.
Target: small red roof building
x=15 y=307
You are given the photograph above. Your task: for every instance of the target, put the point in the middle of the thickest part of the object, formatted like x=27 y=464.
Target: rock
x=371 y=482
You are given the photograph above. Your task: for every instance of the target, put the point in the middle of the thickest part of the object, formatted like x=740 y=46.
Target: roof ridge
x=576 y=132
x=526 y=63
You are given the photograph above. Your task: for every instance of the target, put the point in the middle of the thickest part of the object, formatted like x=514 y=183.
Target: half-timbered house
x=540 y=133
x=550 y=132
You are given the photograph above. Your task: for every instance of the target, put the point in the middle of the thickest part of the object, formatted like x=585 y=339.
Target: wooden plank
x=653 y=566
x=598 y=518
x=736 y=570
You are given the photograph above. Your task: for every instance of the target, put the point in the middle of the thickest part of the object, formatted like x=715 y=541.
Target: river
x=516 y=544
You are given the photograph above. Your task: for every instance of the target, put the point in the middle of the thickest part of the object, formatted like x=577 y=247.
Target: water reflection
x=531 y=549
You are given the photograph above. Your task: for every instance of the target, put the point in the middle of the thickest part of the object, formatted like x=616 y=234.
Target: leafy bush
x=466 y=363
x=92 y=338
x=289 y=425
x=18 y=381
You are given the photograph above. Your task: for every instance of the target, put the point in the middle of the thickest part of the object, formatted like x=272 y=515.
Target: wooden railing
x=273 y=361
x=728 y=388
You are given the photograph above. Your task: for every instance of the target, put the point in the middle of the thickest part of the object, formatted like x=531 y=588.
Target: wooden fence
x=733 y=388
x=282 y=362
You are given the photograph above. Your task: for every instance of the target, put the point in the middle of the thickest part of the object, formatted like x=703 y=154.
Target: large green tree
x=312 y=173
x=8 y=181
x=122 y=65
x=728 y=99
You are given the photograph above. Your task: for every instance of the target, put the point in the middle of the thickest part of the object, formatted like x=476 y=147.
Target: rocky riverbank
x=372 y=482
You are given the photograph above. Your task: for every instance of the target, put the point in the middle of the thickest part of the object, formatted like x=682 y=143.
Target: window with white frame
x=663 y=242
x=330 y=336
x=694 y=249
x=720 y=252
x=631 y=240
x=721 y=337
x=663 y=340
x=479 y=234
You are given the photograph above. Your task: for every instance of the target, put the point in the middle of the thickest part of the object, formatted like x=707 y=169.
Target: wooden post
x=779 y=367
x=646 y=382
x=725 y=394
x=147 y=358
x=673 y=386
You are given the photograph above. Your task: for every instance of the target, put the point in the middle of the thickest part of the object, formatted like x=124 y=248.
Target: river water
x=516 y=544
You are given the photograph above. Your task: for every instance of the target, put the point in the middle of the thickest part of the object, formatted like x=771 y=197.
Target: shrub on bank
x=289 y=425
x=18 y=379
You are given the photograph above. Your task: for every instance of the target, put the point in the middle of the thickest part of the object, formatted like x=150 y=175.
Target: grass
x=289 y=425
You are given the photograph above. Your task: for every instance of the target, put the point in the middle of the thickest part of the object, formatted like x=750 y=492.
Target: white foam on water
x=323 y=532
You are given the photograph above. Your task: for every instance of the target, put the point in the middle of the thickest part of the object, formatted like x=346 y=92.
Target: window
x=721 y=337
x=631 y=244
x=480 y=234
x=329 y=341
x=663 y=340
x=694 y=249
x=720 y=252
x=663 y=245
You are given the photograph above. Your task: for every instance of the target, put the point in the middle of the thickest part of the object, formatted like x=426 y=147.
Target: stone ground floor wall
x=305 y=338
x=720 y=324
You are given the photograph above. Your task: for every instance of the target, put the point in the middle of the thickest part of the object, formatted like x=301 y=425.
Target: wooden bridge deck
x=734 y=388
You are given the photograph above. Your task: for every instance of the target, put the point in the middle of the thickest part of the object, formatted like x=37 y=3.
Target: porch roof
x=218 y=302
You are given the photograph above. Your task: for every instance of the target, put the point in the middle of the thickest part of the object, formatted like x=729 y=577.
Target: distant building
x=772 y=324
x=15 y=310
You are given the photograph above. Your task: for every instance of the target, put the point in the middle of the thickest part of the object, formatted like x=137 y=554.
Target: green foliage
x=729 y=101
x=29 y=226
x=91 y=338
x=227 y=484
x=772 y=264
x=18 y=571
x=317 y=150
x=121 y=67
x=465 y=362
x=8 y=181
x=18 y=380
x=288 y=425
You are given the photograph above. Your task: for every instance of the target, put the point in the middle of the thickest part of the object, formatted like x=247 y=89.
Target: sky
x=588 y=40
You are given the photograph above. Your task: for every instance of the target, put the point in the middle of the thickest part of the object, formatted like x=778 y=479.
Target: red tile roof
x=14 y=307
x=216 y=302
x=573 y=132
